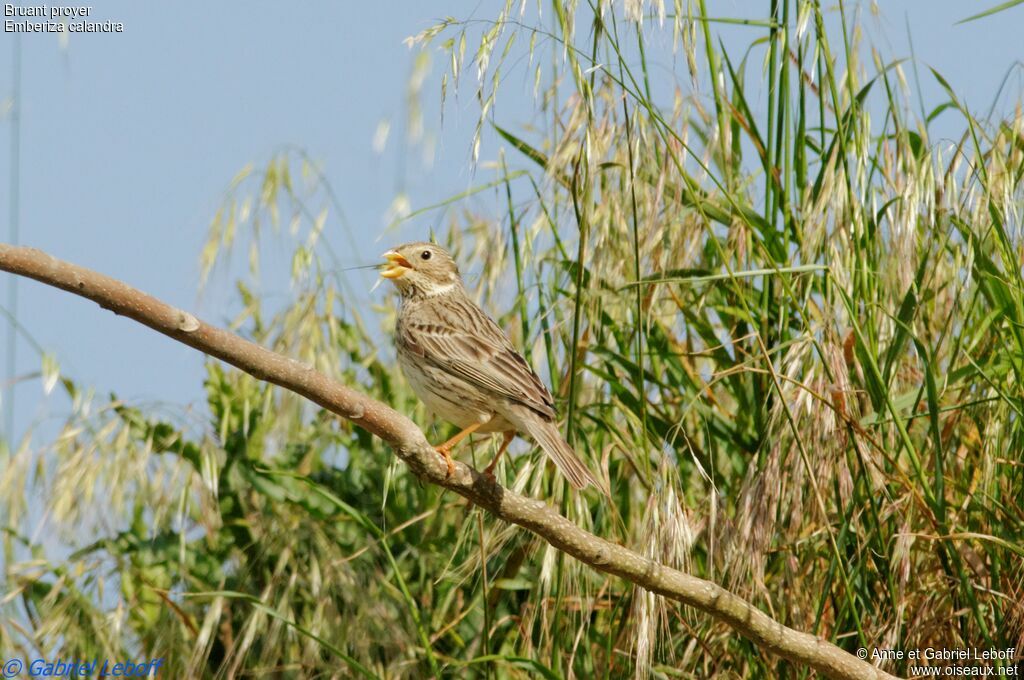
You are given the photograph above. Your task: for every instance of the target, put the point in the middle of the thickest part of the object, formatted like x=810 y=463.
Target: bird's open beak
x=396 y=266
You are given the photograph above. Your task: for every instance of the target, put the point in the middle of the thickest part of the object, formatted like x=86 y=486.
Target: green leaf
x=991 y=10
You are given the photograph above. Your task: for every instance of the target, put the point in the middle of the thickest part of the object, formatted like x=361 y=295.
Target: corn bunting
x=463 y=367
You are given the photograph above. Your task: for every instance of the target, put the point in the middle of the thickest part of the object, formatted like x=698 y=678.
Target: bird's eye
x=425 y=254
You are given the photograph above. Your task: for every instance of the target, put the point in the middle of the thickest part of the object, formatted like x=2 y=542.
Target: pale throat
x=427 y=288
x=439 y=289
x=430 y=288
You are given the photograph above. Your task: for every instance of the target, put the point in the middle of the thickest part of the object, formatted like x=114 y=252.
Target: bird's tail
x=569 y=464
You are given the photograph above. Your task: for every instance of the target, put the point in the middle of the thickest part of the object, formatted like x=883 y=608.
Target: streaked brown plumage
x=463 y=367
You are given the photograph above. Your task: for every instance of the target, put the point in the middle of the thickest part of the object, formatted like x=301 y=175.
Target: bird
x=463 y=367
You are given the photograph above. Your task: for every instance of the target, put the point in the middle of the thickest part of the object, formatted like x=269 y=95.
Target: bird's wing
x=455 y=335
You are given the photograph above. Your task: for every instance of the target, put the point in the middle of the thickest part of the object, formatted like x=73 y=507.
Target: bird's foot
x=489 y=471
x=446 y=453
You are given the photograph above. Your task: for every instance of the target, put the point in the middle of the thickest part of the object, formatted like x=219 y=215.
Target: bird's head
x=421 y=269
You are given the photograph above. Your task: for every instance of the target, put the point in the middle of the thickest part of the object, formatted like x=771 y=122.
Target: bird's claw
x=489 y=472
x=446 y=454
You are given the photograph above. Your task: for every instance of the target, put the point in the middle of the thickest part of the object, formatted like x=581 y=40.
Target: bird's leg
x=509 y=436
x=446 y=449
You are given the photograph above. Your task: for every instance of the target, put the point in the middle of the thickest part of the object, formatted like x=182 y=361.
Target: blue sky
x=129 y=140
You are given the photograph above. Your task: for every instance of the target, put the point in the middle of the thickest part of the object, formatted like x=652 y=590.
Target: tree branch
x=411 y=445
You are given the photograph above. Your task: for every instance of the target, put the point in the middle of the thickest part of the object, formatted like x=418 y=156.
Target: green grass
x=791 y=335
